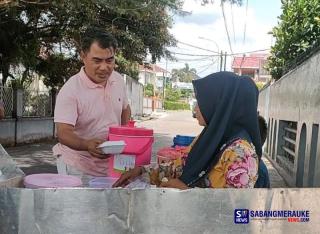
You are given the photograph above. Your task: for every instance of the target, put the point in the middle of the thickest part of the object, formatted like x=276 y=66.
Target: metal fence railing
x=287 y=155
x=6 y=96
x=37 y=103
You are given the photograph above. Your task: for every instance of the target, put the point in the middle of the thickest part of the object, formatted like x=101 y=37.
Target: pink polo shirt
x=91 y=108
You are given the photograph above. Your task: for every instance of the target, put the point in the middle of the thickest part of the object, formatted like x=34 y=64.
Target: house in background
x=253 y=66
x=153 y=74
x=182 y=85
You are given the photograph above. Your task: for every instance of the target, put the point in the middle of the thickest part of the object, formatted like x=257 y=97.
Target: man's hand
x=93 y=150
x=128 y=177
x=174 y=183
x=67 y=137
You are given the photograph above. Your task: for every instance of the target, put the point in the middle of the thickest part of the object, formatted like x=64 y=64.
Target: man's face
x=98 y=62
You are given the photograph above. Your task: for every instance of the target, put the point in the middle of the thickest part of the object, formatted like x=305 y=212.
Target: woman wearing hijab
x=227 y=152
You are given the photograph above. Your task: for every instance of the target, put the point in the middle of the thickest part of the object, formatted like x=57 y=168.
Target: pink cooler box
x=138 y=145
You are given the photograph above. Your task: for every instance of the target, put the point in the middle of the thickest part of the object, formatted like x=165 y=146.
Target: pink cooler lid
x=130 y=131
x=48 y=180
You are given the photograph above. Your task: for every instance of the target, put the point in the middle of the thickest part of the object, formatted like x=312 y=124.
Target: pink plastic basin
x=138 y=144
x=48 y=180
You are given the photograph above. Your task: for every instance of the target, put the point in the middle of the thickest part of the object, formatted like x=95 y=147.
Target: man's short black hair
x=263 y=129
x=94 y=34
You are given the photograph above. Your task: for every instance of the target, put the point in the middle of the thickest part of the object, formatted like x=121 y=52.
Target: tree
x=298 y=31
x=127 y=67
x=186 y=93
x=184 y=74
x=172 y=95
x=149 y=90
x=33 y=31
x=260 y=85
x=57 y=69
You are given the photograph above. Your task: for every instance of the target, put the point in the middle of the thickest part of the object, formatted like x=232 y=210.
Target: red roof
x=246 y=62
x=252 y=61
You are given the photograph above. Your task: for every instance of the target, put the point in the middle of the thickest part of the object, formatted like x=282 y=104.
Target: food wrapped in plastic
x=171 y=161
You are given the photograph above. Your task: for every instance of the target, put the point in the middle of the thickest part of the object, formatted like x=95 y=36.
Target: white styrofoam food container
x=112 y=147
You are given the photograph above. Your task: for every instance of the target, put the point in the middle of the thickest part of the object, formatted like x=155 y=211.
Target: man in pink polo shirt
x=87 y=105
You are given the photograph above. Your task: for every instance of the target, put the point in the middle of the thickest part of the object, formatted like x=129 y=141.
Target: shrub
x=172 y=95
x=176 y=105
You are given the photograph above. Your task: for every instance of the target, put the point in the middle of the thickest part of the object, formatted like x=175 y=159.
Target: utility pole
x=145 y=74
x=225 y=60
x=221 y=60
x=163 y=87
x=164 y=84
x=243 y=57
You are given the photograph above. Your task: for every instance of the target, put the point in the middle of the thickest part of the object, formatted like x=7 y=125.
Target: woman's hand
x=127 y=177
x=174 y=183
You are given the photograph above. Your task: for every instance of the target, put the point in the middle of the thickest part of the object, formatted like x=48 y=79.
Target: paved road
x=37 y=158
x=170 y=124
x=34 y=158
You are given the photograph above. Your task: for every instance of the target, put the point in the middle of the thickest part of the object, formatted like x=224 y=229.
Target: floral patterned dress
x=237 y=167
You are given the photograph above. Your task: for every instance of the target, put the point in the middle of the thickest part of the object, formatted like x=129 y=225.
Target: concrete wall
x=295 y=99
x=33 y=129
x=151 y=104
x=135 y=95
x=7 y=131
x=25 y=130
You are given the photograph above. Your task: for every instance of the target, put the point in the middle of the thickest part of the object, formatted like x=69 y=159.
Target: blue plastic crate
x=181 y=140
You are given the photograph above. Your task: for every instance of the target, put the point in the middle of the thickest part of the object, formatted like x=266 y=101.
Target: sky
x=204 y=27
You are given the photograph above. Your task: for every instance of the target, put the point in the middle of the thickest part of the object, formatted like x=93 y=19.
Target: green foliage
x=37 y=104
x=184 y=74
x=260 y=85
x=127 y=67
x=57 y=69
x=172 y=95
x=148 y=90
x=297 y=31
x=185 y=93
x=176 y=105
x=18 y=84
x=32 y=31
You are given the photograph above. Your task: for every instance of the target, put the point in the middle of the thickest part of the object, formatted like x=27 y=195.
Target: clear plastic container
x=102 y=182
